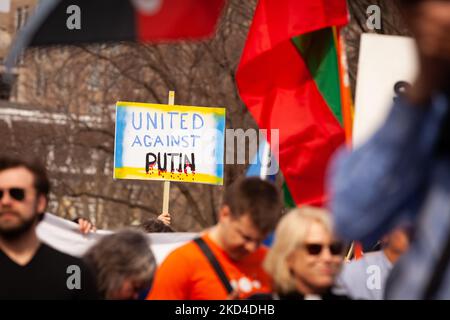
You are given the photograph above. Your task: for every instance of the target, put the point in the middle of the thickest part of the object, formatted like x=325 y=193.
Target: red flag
x=179 y=19
x=288 y=77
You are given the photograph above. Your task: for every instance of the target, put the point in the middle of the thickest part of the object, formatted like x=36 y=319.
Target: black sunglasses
x=315 y=249
x=15 y=193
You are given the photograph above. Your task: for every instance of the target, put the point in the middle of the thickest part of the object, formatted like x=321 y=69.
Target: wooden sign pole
x=165 y=209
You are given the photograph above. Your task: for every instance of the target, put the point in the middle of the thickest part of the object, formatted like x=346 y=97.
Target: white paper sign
x=384 y=63
x=169 y=142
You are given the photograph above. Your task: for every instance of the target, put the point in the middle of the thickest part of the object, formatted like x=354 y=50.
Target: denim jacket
x=398 y=174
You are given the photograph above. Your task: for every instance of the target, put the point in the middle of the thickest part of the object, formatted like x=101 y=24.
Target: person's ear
x=224 y=213
x=41 y=203
x=290 y=258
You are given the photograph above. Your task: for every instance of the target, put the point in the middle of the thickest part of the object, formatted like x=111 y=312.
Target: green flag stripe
x=319 y=52
x=288 y=200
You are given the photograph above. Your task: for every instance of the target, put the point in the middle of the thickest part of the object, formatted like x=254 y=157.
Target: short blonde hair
x=291 y=232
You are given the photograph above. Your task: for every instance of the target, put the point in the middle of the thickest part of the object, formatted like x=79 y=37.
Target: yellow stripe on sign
x=140 y=174
x=167 y=107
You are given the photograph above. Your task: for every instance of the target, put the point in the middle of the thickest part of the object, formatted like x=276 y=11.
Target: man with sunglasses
x=30 y=269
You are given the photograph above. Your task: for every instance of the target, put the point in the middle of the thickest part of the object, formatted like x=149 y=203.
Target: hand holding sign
x=165 y=217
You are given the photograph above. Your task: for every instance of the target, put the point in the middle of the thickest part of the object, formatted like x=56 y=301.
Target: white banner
x=65 y=236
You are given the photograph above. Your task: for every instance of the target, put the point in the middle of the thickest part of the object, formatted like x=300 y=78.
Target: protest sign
x=169 y=143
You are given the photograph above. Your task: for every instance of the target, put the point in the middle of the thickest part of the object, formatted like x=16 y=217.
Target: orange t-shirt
x=186 y=274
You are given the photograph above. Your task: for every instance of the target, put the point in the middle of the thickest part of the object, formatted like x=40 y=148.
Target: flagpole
x=350 y=251
x=166 y=193
x=346 y=95
x=265 y=159
x=347 y=112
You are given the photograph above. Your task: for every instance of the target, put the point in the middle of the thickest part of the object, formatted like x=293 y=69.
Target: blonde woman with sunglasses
x=305 y=258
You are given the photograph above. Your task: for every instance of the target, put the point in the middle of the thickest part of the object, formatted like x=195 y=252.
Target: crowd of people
x=227 y=261
x=392 y=192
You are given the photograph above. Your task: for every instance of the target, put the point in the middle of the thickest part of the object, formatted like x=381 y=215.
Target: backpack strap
x=214 y=263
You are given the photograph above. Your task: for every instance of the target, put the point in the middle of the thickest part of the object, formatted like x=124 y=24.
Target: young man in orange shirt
x=250 y=210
